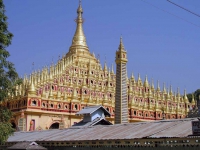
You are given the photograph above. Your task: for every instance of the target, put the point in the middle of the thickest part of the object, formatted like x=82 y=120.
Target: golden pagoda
x=50 y=97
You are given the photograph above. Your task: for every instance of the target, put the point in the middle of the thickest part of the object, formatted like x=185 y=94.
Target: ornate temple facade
x=49 y=98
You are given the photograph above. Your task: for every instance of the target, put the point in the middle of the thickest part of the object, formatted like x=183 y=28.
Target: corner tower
x=121 y=101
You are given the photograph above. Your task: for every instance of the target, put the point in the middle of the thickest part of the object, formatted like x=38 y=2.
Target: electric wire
x=172 y=14
x=183 y=8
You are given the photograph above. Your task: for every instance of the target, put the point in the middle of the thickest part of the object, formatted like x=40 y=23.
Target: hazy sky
x=162 y=40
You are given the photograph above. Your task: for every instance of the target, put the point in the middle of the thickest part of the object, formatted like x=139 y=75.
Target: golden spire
x=175 y=99
x=130 y=86
x=178 y=93
x=79 y=37
x=121 y=45
x=132 y=77
x=164 y=89
x=146 y=83
x=51 y=93
x=31 y=88
x=168 y=95
x=58 y=94
x=185 y=96
x=158 y=86
x=105 y=67
x=139 y=81
x=43 y=92
x=84 y=82
x=193 y=101
x=150 y=93
x=152 y=85
x=171 y=92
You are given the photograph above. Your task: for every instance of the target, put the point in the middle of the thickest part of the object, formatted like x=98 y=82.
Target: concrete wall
x=44 y=120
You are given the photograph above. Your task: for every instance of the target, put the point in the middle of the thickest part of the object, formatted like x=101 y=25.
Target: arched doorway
x=14 y=125
x=54 y=126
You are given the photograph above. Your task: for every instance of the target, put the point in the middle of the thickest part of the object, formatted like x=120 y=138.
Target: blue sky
x=162 y=40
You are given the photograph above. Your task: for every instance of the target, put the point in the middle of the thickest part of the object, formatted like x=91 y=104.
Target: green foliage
x=196 y=95
x=8 y=75
x=5 y=126
x=189 y=96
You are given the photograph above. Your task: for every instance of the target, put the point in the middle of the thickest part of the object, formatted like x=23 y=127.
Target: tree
x=189 y=96
x=8 y=76
x=196 y=95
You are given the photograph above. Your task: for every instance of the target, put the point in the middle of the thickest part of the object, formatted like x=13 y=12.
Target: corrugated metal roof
x=27 y=145
x=154 y=129
x=91 y=109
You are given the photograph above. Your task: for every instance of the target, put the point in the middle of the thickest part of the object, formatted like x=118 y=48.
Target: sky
x=161 y=39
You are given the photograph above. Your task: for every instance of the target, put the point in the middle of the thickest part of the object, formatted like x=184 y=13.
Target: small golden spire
x=175 y=99
x=163 y=96
x=121 y=45
x=132 y=76
x=185 y=96
x=146 y=83
x=31 y=88
x=171 y=92
x=43 y=93
x=139 y=81
x=152 y=85
x=51 y=93
x=193 y=101
x=84 y=82
x=178 y=93
x=168 y=95
x=150 y=93
x=158 y=86
x=109 y=76
x=105 y=66
x=79 y=37
x=130 y=86
x=158 y=95
x=164 y=89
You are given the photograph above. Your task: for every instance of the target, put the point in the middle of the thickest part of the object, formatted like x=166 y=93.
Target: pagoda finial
x=121 y=45
x=158 y=86
x=171 y=92
x=79 y=37
x=31 y=88
x=146 y=83
x=132 y=77
x=185 y=96
x=193 y=101
x=178 y=92
x=168 y=95
x=152 y=84
x=164 y=89
x=105 y=66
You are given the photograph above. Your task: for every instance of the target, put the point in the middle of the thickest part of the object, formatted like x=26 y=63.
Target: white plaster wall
x=99 y=113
